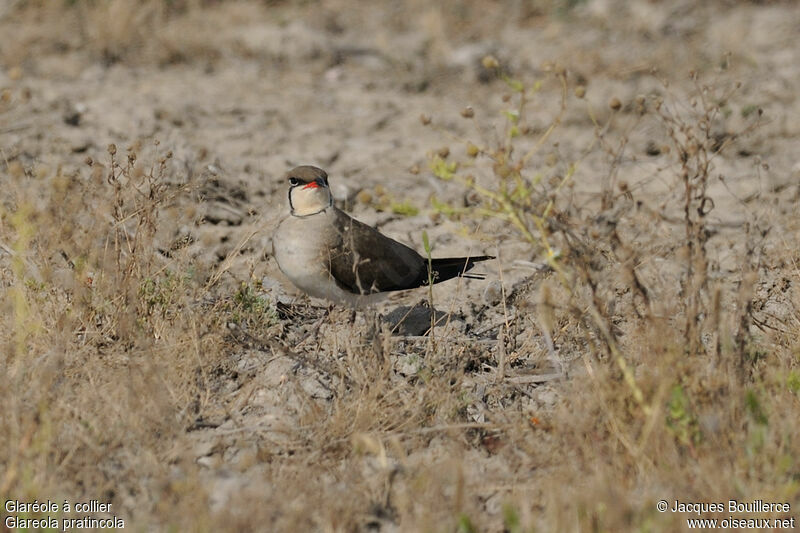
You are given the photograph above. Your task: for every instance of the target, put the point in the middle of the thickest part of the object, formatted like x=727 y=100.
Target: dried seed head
x=89 y=161
x=580 y=91
x=501 y=169
x=472 y=150
x=112 y=148
x=425 y=119
x=414 y=169
x=615 y=104
x=641 y=108
x=364 y=196
x=490 y=62
x=443 y=152
x=467 y=112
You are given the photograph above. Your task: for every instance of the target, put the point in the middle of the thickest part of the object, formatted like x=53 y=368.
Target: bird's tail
x=447 y=268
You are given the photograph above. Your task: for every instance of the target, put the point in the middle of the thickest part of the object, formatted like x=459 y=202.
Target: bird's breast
x=299 y=244
x=302 y=247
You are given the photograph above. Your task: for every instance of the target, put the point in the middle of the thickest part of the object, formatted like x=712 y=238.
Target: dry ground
x=636 y=339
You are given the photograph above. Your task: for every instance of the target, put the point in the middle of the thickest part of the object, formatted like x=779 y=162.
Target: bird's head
x=308 y=190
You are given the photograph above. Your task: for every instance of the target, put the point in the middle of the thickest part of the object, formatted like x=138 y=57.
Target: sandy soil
x=240 y=92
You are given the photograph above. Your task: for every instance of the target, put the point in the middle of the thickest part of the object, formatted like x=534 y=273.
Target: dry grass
x=652 y=355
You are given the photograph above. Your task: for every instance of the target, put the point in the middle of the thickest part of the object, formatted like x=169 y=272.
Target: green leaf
x=442 y=169
x=511 y=519
x=748 y=110
x=754 y=408
x=680 y=418
x=404 y=208
x=520 y=193
x=465 y=524
x=512 y=115
x=426 y=243
x=445 y=209
x=793 y=382
x=515 y=85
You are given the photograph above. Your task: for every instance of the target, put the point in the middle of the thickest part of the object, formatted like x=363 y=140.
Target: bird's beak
x=312 y=185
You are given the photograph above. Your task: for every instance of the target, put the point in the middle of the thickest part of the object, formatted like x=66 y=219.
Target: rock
x=493 y=293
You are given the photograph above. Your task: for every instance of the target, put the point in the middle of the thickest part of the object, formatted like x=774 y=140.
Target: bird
x=330 y=255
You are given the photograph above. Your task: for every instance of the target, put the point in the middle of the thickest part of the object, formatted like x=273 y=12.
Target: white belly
x=300 y=248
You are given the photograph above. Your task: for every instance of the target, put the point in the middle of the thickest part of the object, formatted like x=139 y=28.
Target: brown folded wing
x=365 y=261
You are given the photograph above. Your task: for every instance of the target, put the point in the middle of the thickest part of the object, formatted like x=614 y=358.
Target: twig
x=534 y=378
x=12 y=129
x=469 y=340
x=505 y=321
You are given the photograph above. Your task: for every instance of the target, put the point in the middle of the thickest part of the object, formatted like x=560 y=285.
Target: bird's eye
x=294 y=182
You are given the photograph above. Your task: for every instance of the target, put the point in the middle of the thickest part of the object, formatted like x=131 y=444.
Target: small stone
x=493 y=293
